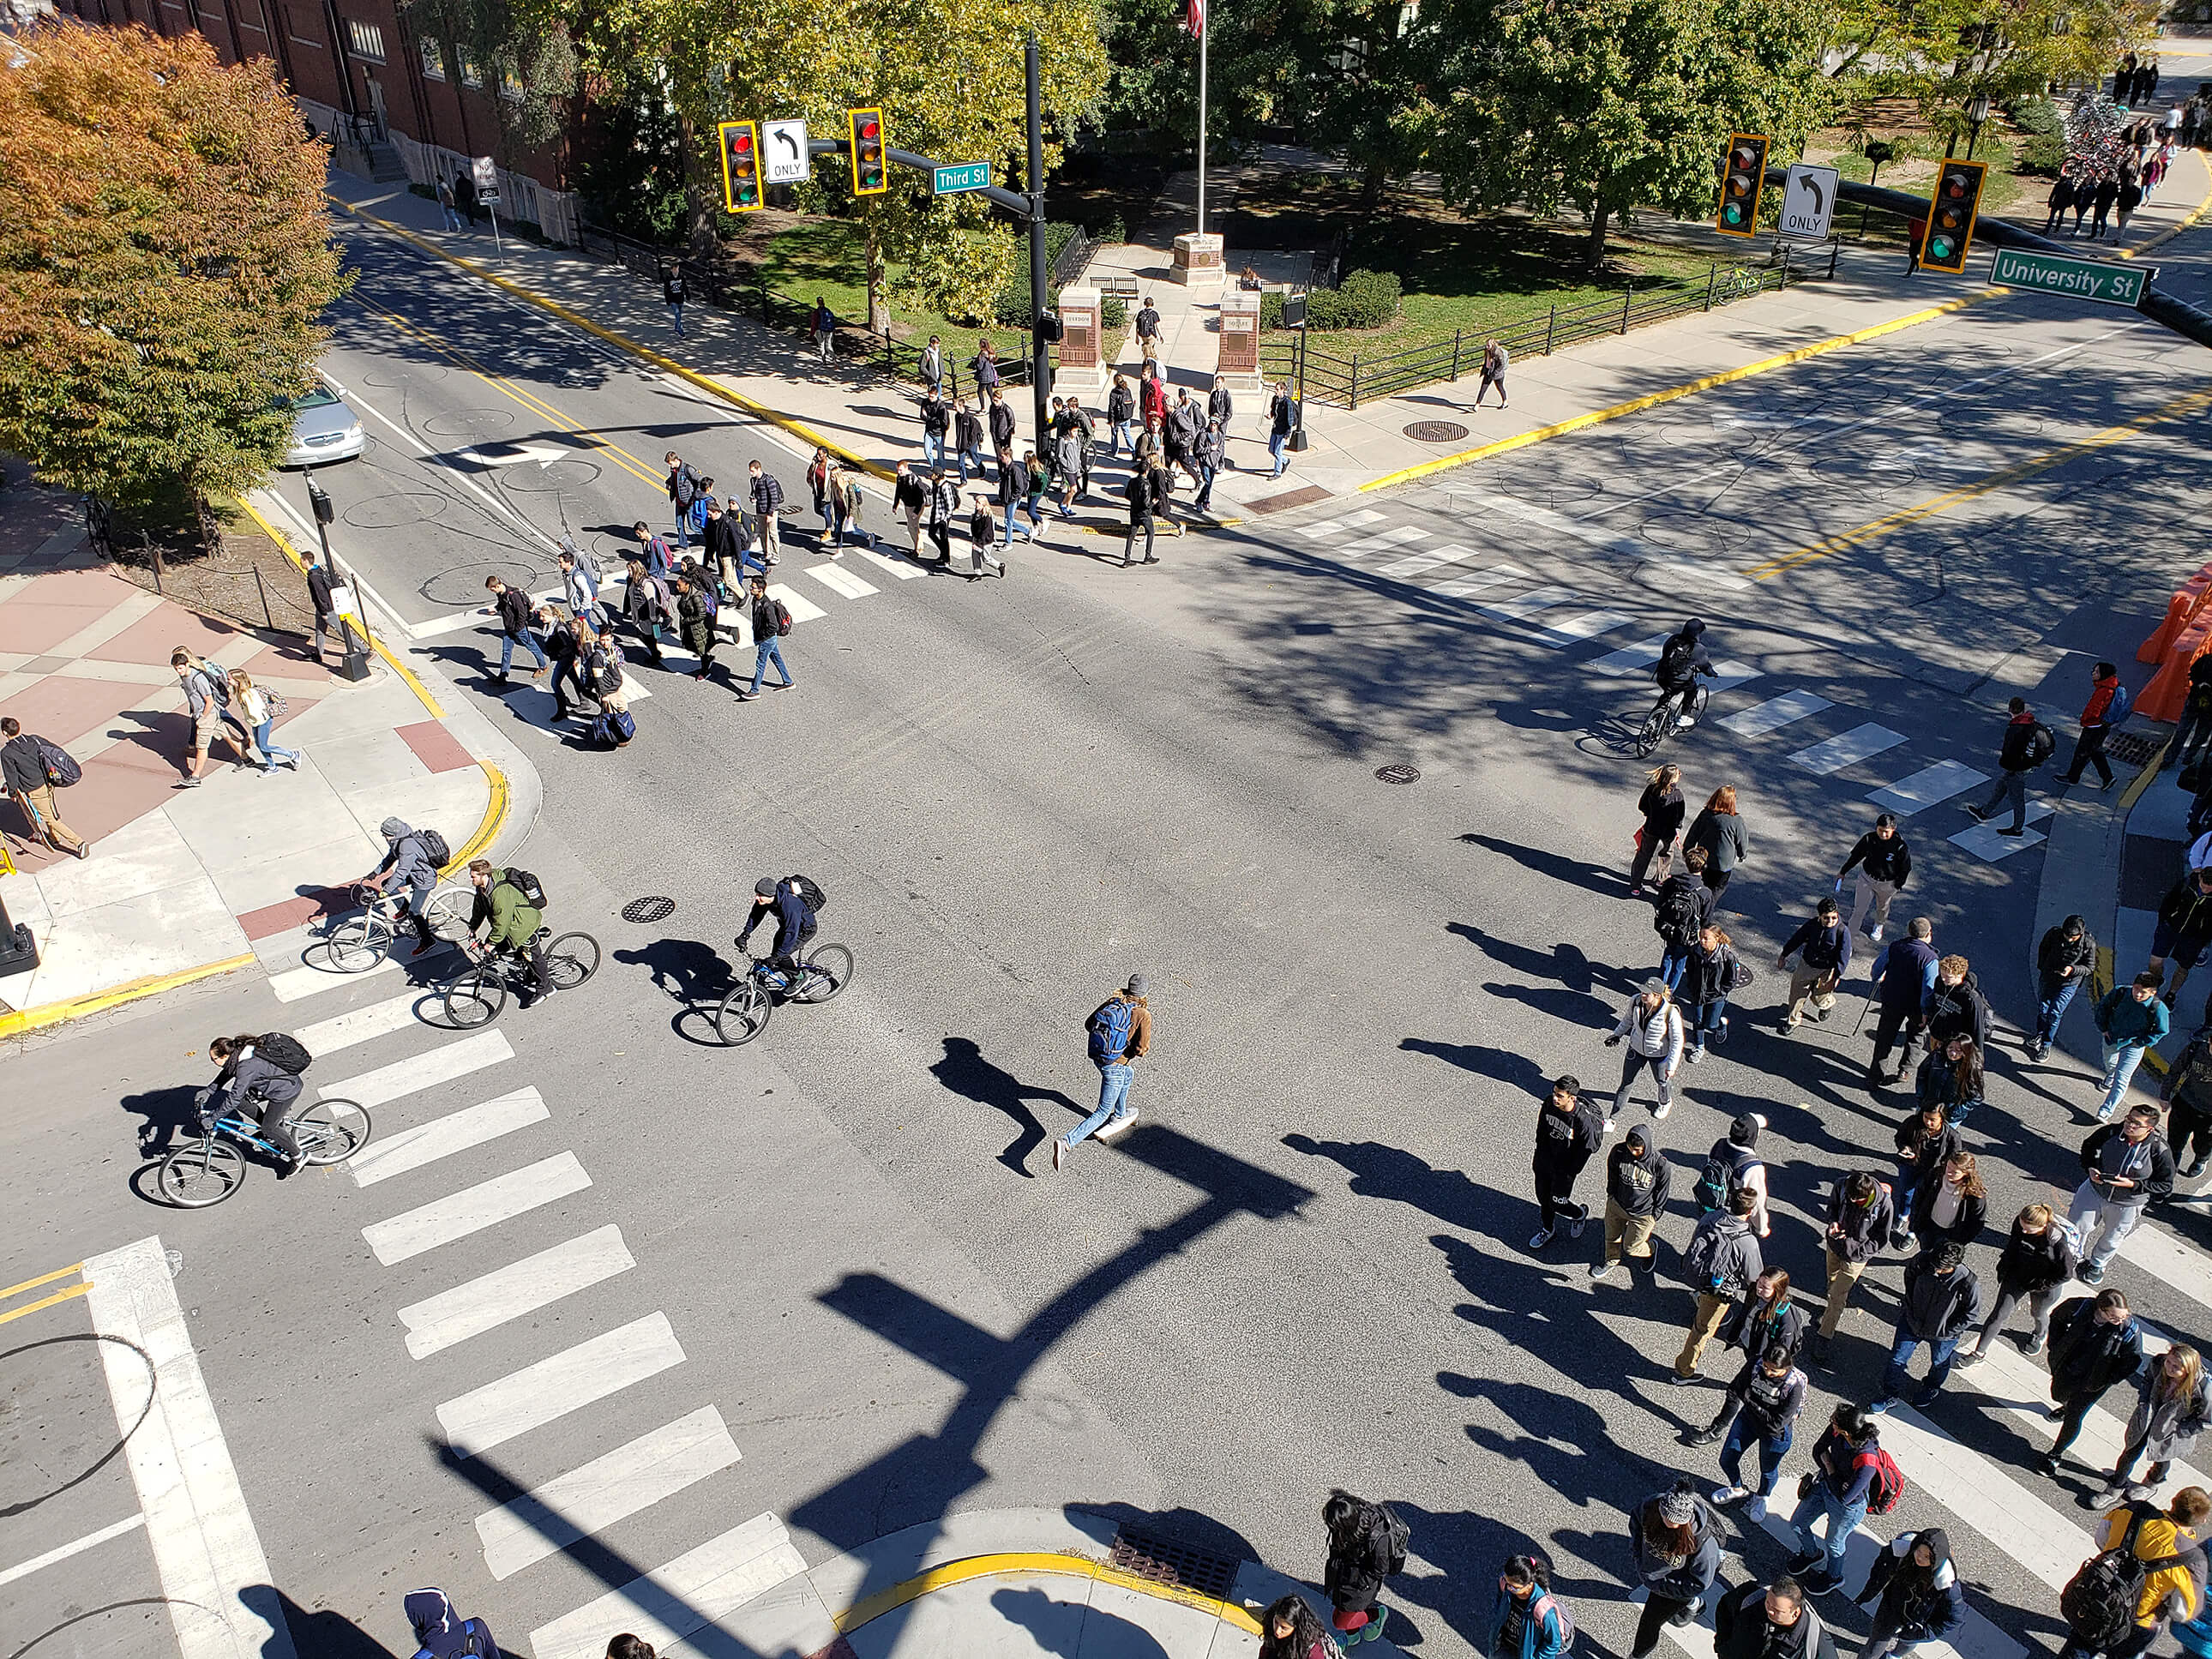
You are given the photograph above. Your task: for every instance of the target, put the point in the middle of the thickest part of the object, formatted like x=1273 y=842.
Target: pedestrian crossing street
x=1559 y=617
x=456 y=1158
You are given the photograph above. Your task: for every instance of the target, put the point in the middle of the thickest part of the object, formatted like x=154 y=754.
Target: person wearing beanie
x=1921 y=1598
x=1734 y=1166
x=1569 y=1129
x=1635 y=1182
x=1121 y=1032
x=1675 y=1540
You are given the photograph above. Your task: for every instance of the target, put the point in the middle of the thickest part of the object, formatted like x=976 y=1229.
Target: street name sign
x=2084 y=279
x=1809 y=202
x=783 y=152
x=962 y=176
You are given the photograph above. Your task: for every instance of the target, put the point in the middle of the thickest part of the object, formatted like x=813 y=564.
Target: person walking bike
x=1119 y=1031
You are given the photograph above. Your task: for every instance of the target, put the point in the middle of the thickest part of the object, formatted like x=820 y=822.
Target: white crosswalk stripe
x=358 y=1025
x=403 y=1078
x=1377 y=543
x=571 y=1507
x=1774 y=713
x=904 y=569
x=294 y=984
x=1528 y=604
x=567 y=1382
x=1629 y=658
x=1985 y=840
x=474 y=1208
x=1413 y=563
x=2170 y=1261
x=1588 y=626
x=1461 y=587
x=1327 y=527
x=1846 y=748
x=698 y=1587
x=1927 y=787
x=838 y=580
x=2044 y=1542
x=409 y=1150
x=802 y=609
x=521 y=1287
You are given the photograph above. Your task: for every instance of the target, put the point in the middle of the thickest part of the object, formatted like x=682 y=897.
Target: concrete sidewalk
x=857 y=413
x=180 y=883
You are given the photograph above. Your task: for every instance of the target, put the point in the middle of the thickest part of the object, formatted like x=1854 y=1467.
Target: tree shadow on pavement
x=963 y=1071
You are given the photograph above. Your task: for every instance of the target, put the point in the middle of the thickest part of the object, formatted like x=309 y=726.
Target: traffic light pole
x=1040 y=349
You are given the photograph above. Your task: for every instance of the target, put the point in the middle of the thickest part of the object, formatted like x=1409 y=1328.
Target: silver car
x=322 y=428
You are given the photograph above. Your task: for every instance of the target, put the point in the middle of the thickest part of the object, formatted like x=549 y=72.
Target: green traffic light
x=1940 y=248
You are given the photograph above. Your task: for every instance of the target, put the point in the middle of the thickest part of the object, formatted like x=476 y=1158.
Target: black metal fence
x=1334 y=379
x=1074 y=254
x=746 y=294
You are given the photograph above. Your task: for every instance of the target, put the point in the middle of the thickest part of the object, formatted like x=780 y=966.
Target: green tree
x=166 y=253
x=1606 y=105
x=521 y=47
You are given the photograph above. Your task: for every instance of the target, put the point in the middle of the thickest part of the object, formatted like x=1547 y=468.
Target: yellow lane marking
x=54 y=1013
x=1875 y=529
x=986 y=1566
x=43 y=1278
x=64 y=1295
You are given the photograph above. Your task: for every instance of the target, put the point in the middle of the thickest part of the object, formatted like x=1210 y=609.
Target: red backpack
x=1888 y=1480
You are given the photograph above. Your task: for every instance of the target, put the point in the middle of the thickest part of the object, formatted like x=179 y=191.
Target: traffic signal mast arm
x=1012 y=201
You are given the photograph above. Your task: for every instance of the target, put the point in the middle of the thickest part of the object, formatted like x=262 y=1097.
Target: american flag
x=1194 y=18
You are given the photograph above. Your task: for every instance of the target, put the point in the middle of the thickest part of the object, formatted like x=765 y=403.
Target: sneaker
x=1676 y=1379
x=1980 y=814
x=1881 y=1408
x=1725 y=1496
x=1119 y=1124
x=1822 y=1010
x=2037 y=1050
x=2089 y=1275
x=1756 y=1509
x=2105 y=1113
x=2049 y=1464
x=1543 y=1238
x=2139 y=1492
x=2197 y=1168
x=1873 y=934
x=1702 y=1438
x=1059 y=1155
x=1925 y=1400
x=2015 y=831
x=2112 y=1494
x=1720 y=1036
x=1574 y=1227
x=2105 y=785
x=1821 y=1583
x=189 y=783
x=1607 y=1129
x=2032 y=1343
x=1696 y=1056
x=1688 y=1615
x=1659 y=1112
x=1685 y=722
x=1601 y=1271
x=1802 y=1564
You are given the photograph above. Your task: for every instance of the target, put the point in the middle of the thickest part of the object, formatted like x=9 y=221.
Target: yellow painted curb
x=1650 y=400
x=706 y=383
x=2170 y=232
x=99 y=1002
x=502 y=793
x=875 y=1607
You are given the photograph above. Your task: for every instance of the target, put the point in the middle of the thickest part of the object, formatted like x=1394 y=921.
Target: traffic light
x=741 y=175
x=1951 y=215
x=1743 y=175
x=867 y=125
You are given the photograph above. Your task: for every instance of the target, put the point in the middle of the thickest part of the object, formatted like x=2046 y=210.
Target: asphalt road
x=1307 y=1266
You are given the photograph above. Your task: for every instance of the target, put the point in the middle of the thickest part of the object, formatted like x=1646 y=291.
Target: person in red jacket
x=2096 y=726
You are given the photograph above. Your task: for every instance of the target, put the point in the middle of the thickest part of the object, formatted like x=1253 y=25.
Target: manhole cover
x=1400 y=773
x=657 y=907
x=1435 y=432
x=1166 y=1563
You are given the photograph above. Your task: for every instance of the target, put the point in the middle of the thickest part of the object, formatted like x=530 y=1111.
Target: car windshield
x=318 y=396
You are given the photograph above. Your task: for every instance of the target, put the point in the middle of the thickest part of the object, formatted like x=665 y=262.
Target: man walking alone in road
x=1121 y=1032
x=2027 y=743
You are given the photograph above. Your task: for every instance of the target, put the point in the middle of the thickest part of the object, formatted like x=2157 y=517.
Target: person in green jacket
x=515 y=921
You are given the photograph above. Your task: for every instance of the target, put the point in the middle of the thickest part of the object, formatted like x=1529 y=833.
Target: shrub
x=1113 y=311
x=1112 y=231
x=2043 y=143
x=1366 y=299
x=1270 y=308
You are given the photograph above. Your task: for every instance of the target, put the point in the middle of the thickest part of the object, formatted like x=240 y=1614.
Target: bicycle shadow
x=693 y=974
x=164 y=1112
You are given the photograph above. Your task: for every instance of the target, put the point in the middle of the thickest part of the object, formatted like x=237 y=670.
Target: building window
x=366 y=38
x=434 y=61
x=471 y=75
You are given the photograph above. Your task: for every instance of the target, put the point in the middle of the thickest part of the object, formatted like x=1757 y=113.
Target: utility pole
x=1040 y=291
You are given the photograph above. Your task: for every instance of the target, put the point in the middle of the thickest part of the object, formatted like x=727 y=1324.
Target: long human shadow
x=966 y=1072
x=1563 y=964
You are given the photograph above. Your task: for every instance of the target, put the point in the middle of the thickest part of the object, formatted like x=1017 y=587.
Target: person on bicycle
x=514 y=922
x=794 y=923
x=407 y=860
x=256 y=1089
x=1682 y=659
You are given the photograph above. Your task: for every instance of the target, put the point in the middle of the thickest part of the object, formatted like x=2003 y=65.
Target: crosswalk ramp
x=498 y=1229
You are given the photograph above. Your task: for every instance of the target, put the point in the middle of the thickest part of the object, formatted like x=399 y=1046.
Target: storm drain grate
x=1398 y=772
x=654 y=907
x=1165 y=1563
x=2132 y=748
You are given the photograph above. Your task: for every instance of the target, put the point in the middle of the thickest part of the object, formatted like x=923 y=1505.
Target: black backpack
x=1676 y=920
x=2041 y=744
x=284 y=1051
x=2099 y=1601
x=809 y=894
x=1673 y=660
x=1388 y=1539
x=434 y=847
x=533 y=894
x=1723 y=1177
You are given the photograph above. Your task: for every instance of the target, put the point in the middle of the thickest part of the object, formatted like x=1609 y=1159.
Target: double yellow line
x=1877 y=528
x=64 y=1295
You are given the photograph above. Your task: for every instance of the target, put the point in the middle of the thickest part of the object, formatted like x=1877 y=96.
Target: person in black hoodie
x=1635 y=1182
x=1675 y=1542
x=1680 y=912
x=1365 y=1546
x=1942 y=1302
x=1922 y=1600
x=1714 y=974
x=1925 y=1143
x=2063 y=962
x=1762 y=1405
x=1770 y=1621
x=1861 y=1214
x=2094 y=1343
x=2183 y=929
x=1885 y=864
x=1956 y=1006
x=1569 y=1130
x=1662 y=806
x=2038 y=1263
x=1823 y=949
x=2027 y=743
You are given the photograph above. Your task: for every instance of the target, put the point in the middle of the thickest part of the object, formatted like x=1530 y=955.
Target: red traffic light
x=742 y=144
x=868 y=129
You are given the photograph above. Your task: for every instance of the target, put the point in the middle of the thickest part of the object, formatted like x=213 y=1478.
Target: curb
x=25 y=1020
x=706 y=383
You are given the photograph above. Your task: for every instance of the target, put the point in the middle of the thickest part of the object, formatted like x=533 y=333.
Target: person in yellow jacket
x=2173 y=1587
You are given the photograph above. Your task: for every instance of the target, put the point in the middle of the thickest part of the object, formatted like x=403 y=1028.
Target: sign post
x=960 y=177
x=2083 y=279
x=483 y=172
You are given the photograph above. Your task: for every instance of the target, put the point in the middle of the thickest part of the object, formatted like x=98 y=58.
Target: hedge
x=1367 y=299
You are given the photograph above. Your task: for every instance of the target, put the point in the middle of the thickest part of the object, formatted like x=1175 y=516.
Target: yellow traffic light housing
x=741 y=170
x=1743 y=175
x=1951 y=212
x=869 y=177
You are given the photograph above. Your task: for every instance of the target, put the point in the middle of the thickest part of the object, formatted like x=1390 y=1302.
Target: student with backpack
x=412 y=858
x=260 y=1082
x=684 y=489
x=512 y=608
x=1119 y=1031
x=1733 y=1166
x=2029 y=743
x=1942 y=1302
x=2148 y=1571
x=1680 y=911
x=1920 y=1597
x=510 y=905
x=207 y=700
x=2109 y=704
x=2188 y=1096
x=1527 y=1621
x=1851 y=1478
x=1569 y=1130
x=2094 y=1343
x=1720 y=1264
x=1762 y=1406
x=442 y=1633
x=1674 y=1540
x=1366 y=1544
x=771 y=622
x=1861 y=1213
x=32 y=768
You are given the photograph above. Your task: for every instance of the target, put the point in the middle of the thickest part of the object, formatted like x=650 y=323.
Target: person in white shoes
x=1653 y=1027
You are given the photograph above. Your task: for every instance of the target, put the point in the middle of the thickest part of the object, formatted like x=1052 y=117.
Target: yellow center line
x=529 y=400
x=1877 y=528
x=43 y=1278
x=61 y=1296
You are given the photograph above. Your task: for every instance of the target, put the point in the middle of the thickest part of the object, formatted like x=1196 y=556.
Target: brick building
x=395 y=105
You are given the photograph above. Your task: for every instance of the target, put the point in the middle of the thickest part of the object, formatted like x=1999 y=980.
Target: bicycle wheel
x=357 y=944
x=194 y=1177
x=744 y=1013
x=448 y=913
x=571 y=959
x=828 y=970
x=474 y=998
x=1654 y=730
x=330 y=1132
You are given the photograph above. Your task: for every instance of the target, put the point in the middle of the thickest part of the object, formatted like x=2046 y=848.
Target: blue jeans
x=1123 y=432
x=675 y=316
x=1275 y=442
x=2050 y=1010
x=1901 y=1356
x=1672 y=964
x=261 y=742
x=528 y=641
x=976 y=455
x=1205 y=476
x=764 y=653
x=1114 y=1079
x=1843 y=1520
x=1770 y=1454
x=1707 y=1019
x=2120 y=1063
x=932 y=447
x=453 y=218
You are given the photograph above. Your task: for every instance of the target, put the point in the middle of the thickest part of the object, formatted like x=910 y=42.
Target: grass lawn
x=2003 y=190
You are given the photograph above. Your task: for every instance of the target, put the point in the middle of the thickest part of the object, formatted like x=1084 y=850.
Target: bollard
x=19 y=952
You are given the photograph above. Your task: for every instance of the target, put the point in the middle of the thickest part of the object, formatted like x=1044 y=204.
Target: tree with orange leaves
x=165 y=258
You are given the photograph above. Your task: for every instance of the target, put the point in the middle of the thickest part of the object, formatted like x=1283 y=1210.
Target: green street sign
x=962 y=176
x=2084 y=279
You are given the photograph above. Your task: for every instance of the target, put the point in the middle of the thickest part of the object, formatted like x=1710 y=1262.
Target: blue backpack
x=1110 y=1028
x=2117 y=709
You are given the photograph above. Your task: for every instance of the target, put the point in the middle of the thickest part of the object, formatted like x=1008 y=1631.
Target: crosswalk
x=458 y=1165
x=1558 y=616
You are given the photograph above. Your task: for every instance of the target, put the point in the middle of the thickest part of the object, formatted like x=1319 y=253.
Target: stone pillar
x=1239 y=362
x=1082 y=362
x=1198 y=260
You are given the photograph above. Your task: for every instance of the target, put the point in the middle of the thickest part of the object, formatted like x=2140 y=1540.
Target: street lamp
x=1978 y=111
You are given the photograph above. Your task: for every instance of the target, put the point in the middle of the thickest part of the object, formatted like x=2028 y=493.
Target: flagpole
x=1205 y=33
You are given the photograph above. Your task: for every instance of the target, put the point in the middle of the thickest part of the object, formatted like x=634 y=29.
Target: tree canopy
x=167 y=259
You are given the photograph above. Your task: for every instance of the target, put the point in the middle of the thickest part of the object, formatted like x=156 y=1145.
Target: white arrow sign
x=783 y=152
x=1809 y=202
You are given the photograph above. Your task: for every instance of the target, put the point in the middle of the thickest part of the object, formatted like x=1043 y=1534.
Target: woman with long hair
x=2167 y=1420
x=1289 y=1630
x=1525 y=1621
x=1954 y=1207
x=1675 y=1542
x=1719 y=829
x=1661 y=805
x=1952 y=1077
x=258 y=710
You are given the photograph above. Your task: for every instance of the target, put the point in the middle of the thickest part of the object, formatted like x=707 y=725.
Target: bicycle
x=355 y=942
x=742 y=1015
x=197 y=1177
x=1666 y=718
x=475 y=996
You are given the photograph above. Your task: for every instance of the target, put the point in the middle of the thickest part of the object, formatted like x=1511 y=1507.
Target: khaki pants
x=38 y=806
x=1842 y=1275
x=1871 y=895
x=1819 y=983
x=1711 y=1309
x=913 y=529
x=1626 y=1234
